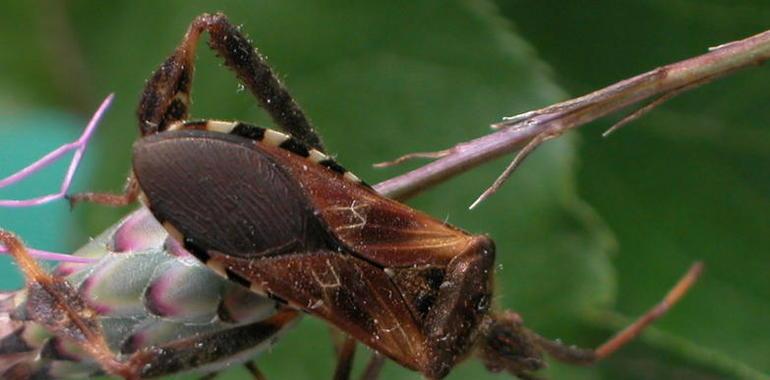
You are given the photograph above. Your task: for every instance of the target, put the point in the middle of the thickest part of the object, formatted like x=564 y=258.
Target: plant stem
x=514 y=132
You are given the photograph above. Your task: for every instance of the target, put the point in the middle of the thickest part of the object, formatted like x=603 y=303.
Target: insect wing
x=381 y=230
x=220 y=191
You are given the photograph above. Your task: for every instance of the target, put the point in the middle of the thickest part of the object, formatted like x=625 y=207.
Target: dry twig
x=533 y=128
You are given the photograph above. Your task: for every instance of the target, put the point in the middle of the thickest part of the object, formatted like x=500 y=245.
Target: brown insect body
x=409 y=286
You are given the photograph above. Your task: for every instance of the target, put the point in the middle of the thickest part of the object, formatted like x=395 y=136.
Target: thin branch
x=515 y=132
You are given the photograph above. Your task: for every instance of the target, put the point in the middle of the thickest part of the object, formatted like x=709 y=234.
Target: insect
x=275 y=214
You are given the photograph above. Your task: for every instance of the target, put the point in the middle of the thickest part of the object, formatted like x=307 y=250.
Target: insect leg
x=252 y=69
x=345 y=359
x=129 y=195
x=254 y=370
x=210 y=376
x=212 y=348
x=575 y=355
x=166 y=97
x=373 y=368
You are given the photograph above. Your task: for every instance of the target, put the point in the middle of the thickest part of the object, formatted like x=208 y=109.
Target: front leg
x=213 y=348
x=129 y=195
x=345 y=355
x=463 y=301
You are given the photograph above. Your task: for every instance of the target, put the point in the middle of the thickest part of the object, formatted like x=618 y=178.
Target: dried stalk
x=535 y=127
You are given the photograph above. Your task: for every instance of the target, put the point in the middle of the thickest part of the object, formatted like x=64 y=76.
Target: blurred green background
x=590 y=231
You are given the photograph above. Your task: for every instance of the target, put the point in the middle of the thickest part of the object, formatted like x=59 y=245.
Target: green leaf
x=687 y=182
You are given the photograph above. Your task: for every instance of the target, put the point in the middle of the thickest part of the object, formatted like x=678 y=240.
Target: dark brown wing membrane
x=227 y=195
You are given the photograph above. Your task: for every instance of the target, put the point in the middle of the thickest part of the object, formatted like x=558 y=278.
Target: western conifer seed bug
x=274 y=213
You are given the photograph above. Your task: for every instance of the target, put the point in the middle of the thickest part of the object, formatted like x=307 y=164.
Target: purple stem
x=78 y=145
